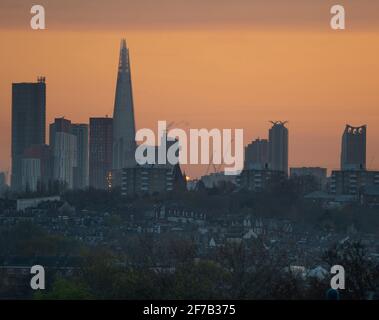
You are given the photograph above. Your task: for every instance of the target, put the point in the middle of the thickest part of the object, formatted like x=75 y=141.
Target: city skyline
x=124 y=66
x=229 y=76
x=75 y=156
x=70 y=160
x=187 y=157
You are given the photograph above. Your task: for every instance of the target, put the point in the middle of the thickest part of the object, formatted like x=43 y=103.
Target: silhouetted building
x=151 y=179
x=24 y=204
x=258 y=180
x=351 y=182
x=124 y=144
x=256 y=154
x=353 y=152
x=278 y=147
x=318 y=173
x=192 y=183
x=81 y=171
x=2 y=178
x=64 y=152
x=217 y=179
x=36 y=168
x=100 y=152
x=28 y=123
x=370 y=196
x=3 y=182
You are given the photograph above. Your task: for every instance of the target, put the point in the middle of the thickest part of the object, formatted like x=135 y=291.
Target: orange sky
x=222 y=77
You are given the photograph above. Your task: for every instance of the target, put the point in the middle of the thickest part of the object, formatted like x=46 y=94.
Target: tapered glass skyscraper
x=124 y=144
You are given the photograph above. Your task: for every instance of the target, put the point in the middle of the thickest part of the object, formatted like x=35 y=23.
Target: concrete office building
x=278 y=147
x=100 y=152
x=353 y=149
x=217 y=179
x=81 y=171
x=256 y=154
x=259 y=179
x=3 y=182
x=28 y=123
x=24 y=204
x=151 y=179
x=36 y=168
x=64 y=152
x=352 y=182
x=320 y=174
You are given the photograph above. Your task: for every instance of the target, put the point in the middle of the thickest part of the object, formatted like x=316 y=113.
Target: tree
x=63 y=289
x=362 y=274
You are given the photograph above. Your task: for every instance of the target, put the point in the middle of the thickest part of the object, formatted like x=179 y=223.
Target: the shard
x=124 y=143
